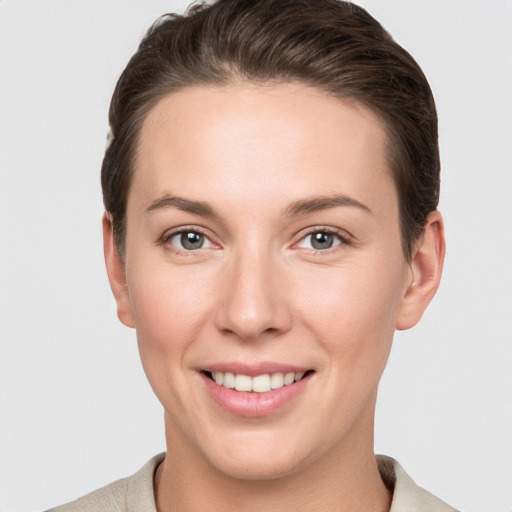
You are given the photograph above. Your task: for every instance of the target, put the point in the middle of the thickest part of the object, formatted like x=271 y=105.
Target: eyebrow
x=300 y=207
x=186 y=205
x=318 y=203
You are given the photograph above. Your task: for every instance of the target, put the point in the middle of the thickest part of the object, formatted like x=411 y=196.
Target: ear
x=116 y=272
x=426 y=267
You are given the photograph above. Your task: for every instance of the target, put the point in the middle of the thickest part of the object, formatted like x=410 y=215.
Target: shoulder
x=407 y=496
x=134 y=493
x=111 y=497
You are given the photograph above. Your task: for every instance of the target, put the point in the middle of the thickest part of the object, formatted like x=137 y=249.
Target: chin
x=267 y=458
x=257 y=467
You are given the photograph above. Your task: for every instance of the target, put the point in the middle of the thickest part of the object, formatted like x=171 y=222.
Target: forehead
x=244 y=140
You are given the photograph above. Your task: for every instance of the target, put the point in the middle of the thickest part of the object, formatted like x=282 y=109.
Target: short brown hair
x=331 y=45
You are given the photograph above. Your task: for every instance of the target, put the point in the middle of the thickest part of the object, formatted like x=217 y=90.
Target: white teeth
x=276 y=380
x=243 y=383
x=259 y=384
x=229 y=380
x=289 y=378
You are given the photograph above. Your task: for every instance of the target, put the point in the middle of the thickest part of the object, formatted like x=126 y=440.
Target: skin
x=258 y=290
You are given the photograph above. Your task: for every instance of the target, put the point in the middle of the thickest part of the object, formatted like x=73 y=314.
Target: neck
x=343 y=480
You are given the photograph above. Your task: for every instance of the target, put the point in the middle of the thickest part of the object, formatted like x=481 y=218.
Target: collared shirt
x=135 y=493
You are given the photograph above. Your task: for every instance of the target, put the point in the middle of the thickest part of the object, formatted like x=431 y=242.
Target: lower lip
x=251 y=404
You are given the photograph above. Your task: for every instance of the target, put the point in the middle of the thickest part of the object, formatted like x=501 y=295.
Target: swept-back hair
x=330 y=45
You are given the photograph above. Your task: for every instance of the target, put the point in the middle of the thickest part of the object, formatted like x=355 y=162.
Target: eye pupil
x=191 y=240
x=322 y=240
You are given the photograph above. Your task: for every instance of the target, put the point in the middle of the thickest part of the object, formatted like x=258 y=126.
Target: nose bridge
x=253 y=299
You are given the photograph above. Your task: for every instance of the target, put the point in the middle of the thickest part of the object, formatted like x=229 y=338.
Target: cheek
x=169 y=309
x=352 y=312
x=165 y=300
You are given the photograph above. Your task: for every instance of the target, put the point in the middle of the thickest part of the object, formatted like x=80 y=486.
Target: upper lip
x=254 y=369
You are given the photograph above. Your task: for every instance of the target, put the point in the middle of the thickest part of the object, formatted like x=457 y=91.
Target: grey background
x=75 y=409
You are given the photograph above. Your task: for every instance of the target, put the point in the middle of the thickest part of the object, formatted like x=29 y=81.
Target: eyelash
x=344 y=239
x=165 y=241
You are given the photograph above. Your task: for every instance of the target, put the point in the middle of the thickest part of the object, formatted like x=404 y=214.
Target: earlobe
x=426 y=267
x=116 y=272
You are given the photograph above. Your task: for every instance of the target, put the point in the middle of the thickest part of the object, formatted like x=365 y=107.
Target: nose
x=253 y=299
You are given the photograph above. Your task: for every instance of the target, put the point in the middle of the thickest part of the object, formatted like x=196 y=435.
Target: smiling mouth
x=257 y=384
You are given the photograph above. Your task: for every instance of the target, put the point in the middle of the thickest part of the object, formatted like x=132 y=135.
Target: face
x=264 y=273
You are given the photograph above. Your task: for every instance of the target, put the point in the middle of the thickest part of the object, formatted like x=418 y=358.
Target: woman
x=270 y=190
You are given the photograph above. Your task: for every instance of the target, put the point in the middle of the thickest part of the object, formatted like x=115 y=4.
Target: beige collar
x=407 y=496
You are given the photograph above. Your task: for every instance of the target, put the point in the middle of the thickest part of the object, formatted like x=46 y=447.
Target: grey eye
x=189 y=240
x=322 y=240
